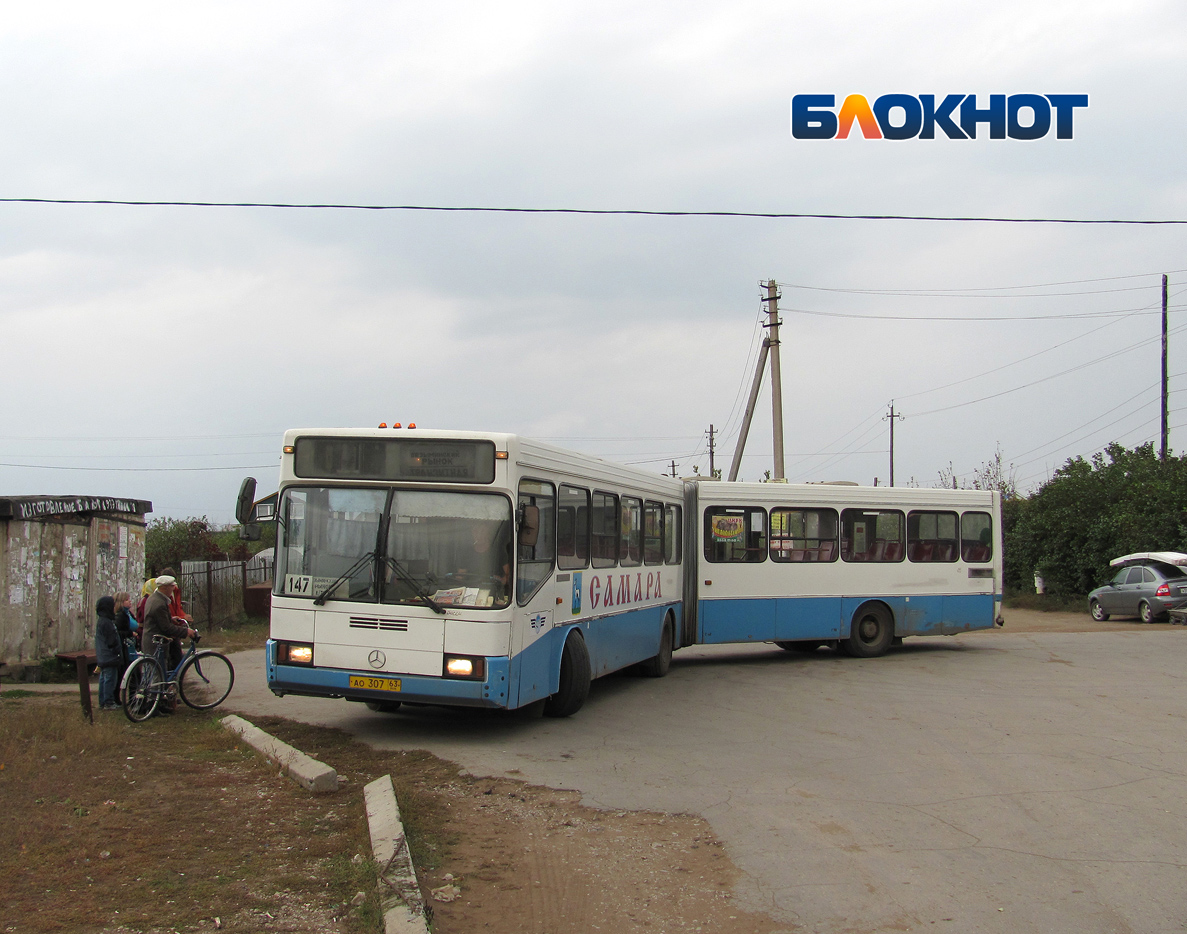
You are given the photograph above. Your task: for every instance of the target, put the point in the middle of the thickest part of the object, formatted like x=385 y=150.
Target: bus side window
x=653 y=533
x=803 y=535
x=872 y=535
x=603 y=525
x=672 y=533
x=976 y=537
x=535 y=561
x=931 y=536
x=572 y=528
x=630 y=549
x=735 y=534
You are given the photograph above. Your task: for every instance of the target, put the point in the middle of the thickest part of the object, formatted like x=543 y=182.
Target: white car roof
x=1166 y=557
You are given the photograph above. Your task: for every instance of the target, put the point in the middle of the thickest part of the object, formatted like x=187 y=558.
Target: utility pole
x=772 y=301
x=1165 y=428
x=712 y=448
x=893 y=418
x=673 y=470
x=745 y=429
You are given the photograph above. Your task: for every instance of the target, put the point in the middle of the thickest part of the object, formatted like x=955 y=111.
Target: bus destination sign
x=396 y=459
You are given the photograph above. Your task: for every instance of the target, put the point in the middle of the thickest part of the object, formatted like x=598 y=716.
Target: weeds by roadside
x=1047 y=602
x=167 y=825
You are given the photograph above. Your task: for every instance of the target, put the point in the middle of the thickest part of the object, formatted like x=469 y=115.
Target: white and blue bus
x=859 y=568
x=467 y=569
x=488 y=570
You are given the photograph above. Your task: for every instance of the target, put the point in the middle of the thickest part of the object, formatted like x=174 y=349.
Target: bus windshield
x=399 y=546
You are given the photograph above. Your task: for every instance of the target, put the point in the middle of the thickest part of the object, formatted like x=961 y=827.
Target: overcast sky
x=144 y=342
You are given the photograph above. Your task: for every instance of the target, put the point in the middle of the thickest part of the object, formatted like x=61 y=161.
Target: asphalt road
x=1005 y=782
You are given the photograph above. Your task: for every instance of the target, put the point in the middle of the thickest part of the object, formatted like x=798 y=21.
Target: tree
x=991 y=475
x=1121 y=501
x=168 y=542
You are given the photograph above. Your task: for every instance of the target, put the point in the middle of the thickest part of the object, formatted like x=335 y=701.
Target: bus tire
x=658 y=665
x=871 y=632
x=382 y=706
x=574 y=680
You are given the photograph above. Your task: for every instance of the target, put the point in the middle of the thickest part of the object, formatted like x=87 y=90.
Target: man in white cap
x=159 y=621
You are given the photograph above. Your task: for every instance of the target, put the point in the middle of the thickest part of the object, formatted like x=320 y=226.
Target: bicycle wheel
x=206 y=680
x=143 y=683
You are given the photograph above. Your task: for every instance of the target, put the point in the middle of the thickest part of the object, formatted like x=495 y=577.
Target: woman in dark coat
x=108 y=652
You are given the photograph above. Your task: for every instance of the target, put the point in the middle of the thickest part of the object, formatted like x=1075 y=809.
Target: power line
x=138 y=469
x=1122 y=312
x=995 y=288
x=1044 y=379
x=477 y=209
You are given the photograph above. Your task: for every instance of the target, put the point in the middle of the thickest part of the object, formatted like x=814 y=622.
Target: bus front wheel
x=574 y=680
x=871 y=633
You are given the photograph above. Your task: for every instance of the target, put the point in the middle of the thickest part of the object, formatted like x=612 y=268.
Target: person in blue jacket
x=108 y=652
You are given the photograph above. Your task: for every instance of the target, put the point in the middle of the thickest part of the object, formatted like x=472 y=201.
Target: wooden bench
x=71 y=659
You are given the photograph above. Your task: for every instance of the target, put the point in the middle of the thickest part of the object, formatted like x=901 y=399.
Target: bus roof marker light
x=383 y=424
x=412 y=424
x=397 y=425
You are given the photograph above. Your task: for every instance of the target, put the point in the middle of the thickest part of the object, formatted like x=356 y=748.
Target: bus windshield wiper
x=400 y=572
x=320 y=599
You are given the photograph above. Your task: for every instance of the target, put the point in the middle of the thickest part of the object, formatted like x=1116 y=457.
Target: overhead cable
x=638 y=212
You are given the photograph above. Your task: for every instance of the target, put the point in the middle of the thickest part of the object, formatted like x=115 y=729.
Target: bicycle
x=202 y=679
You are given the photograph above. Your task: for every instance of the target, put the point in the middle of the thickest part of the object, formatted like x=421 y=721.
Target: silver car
x=1146 y=590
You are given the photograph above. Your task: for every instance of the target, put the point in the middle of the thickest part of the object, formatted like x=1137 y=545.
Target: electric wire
x=995 y=288
x=633 y=212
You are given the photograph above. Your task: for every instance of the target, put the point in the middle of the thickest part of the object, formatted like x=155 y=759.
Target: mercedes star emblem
x=377 y=659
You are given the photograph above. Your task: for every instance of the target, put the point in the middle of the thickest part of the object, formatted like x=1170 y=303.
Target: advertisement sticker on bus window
x=778 y=523
x=728 y=528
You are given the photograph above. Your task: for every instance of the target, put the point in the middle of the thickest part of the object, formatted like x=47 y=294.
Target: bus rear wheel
x=574 y=681
x=871 y=633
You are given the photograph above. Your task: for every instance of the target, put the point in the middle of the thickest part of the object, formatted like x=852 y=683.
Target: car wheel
x=1097 y=611
x=1145 y=614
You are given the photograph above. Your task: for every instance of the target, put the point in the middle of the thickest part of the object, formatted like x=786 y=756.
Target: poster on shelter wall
x=123 y=541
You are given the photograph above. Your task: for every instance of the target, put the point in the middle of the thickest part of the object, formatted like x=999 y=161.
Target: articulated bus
x=487 y=570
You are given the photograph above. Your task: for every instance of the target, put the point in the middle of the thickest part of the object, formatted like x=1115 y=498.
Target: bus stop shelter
x=58 y=556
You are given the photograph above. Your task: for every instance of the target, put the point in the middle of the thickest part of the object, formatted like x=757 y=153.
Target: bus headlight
x=291 y=653
x=470 y=667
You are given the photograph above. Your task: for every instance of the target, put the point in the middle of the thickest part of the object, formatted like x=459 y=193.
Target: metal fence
x=212 y=591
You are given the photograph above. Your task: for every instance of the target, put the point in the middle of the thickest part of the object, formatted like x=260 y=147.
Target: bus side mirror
x=529 y=525
x=249 y=532
x=247 y=498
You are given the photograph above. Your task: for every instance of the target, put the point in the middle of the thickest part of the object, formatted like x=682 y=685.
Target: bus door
x=535 y=647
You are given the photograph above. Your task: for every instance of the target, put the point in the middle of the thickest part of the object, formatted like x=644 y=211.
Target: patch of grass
x=16 y=693
x=1047 y=602
x=238 y=635
x=164 y=825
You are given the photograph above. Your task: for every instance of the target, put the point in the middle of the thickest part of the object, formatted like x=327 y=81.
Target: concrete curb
x=403 y=908
x=308 y=773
